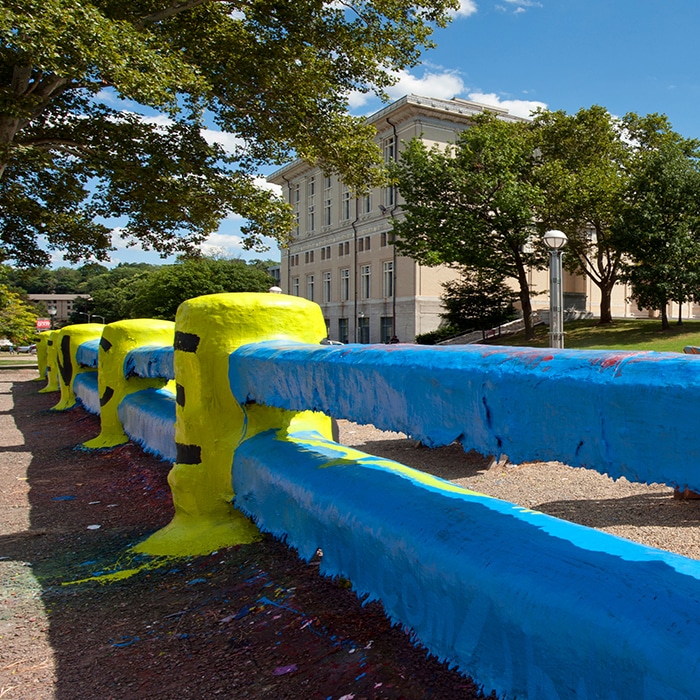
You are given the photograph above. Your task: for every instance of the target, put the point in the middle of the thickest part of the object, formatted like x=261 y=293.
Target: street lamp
x=52 y=314
x=555 y=241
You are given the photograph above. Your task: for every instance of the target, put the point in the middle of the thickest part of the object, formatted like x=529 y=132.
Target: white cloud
x=441 y=85
x=465 y=9
x=261 y=182
x=230 y=142
x=520 y=108
x=520 y=5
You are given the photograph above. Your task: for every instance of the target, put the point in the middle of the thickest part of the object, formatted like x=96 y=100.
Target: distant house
x=59 y=306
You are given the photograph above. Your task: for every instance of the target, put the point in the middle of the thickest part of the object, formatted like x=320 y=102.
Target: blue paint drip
x=150 y=362
x=520 y=601
x=148 y=418
x=630 y=414
x=87 y=353
x=87 y=392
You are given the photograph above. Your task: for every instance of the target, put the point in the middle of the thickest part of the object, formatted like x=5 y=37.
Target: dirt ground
x=246 y=622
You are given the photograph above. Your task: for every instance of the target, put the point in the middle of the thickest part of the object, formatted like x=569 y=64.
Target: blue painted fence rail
x=631 y=414
x=529 y=605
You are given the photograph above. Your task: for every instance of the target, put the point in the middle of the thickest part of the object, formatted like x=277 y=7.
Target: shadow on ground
x=246 y=622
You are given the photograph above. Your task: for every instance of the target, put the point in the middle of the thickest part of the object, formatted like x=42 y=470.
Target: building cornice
x=404 y=109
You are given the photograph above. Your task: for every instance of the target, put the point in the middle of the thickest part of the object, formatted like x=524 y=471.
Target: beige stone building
x=342 y=257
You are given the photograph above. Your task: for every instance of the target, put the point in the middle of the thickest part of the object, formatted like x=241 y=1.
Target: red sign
x=43 y=324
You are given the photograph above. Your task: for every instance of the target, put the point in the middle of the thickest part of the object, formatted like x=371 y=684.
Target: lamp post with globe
x=555 y=241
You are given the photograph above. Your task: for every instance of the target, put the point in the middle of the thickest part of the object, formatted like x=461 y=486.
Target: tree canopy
x=658 y=228
x=158 y=294
x=17 y=318
x=275 y=74
x=473 y=204
x=583 y=170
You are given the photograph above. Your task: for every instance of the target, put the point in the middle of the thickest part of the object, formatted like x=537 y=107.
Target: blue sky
x=627 y=55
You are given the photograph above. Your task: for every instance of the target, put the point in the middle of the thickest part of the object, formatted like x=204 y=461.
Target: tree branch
x=169 y=12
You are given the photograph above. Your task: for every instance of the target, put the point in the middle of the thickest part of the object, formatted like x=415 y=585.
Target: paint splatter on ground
x=246 y=622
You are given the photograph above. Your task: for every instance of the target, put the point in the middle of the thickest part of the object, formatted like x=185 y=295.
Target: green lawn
x=7 y=360
x=625 y=334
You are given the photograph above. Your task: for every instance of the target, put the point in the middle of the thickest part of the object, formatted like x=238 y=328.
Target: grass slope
x=634 y=334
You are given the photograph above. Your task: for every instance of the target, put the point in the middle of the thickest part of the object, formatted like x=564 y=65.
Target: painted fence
x=526 y=604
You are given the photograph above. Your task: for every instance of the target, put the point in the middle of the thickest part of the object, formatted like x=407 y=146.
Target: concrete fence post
x=210 y=423
x=116 y=341
x=67 y=341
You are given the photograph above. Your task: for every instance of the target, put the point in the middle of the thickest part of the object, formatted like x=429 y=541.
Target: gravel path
x=646 y=514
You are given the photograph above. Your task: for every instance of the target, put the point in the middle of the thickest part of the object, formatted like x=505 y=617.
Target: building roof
x=409 y=107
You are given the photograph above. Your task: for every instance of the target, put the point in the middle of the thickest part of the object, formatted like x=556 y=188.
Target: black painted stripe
x=49 y=342
x=105 y=344
x=107 y=396
x=188 y=454
x=65 y=363
x=187 y=342
x=180 y=395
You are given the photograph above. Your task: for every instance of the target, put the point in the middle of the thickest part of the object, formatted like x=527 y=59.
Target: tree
x=159 y=293
x=17 y=318
x=658 y=229
x=477 y=301
x=275 y=74
x=583 y=170
x=473 y=204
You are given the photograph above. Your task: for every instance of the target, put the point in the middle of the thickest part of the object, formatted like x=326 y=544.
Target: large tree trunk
x=605 y=303
x=525 y=303
x=665 y=325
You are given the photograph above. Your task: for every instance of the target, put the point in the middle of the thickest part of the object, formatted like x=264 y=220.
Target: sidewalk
x=247 y=622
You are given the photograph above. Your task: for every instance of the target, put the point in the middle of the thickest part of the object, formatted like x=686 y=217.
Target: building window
x=327 y=182
x=326 y=287
x=363 y=330
x=389 y=197
x=312 y=218
x=386 y=329
x=296 y=222
x=310 y=287
x=345 y=205
x=345 y=284
x=360 y=244
x=388 y=278
x=365 y=281
x=308 y=257
x=295 y=286
x=367 y=204
x=328 y=212
x=390 y=150
x=297 y=193
x=346 y=246
x=311 y=187
x=343 y=330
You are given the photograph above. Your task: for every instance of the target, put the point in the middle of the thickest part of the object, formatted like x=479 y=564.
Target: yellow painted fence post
x=117 y=340
x=209 y=421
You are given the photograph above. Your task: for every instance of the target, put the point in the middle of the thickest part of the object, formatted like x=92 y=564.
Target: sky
x=638 y=56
